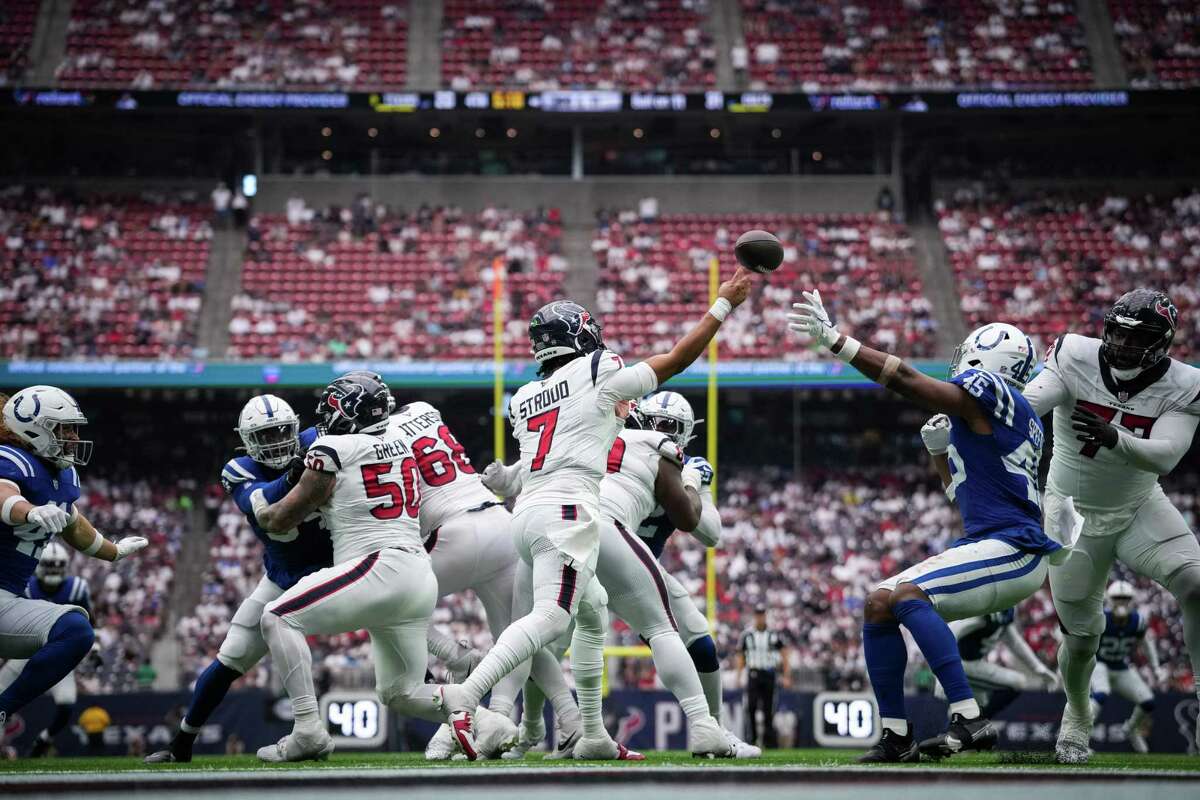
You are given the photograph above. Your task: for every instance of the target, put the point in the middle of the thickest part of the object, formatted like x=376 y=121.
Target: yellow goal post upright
x=498 y=322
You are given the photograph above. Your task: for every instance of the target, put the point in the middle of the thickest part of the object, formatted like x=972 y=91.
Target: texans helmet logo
x=1165 y=308
x=347 y=403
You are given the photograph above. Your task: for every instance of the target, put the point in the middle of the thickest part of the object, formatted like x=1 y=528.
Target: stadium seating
x=1052 y=262
x=1159 y=40
x=358 y=44
x=17 y=20
x=129 y=599
x=537 y=44
x=654 y=276
x=895 y=44
x=101 y=276
x=366 y=282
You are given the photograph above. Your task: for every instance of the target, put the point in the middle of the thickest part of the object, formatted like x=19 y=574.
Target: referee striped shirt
x=763 y=649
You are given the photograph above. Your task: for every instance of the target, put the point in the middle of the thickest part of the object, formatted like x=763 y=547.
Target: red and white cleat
x=604 y=750
x=459 y=718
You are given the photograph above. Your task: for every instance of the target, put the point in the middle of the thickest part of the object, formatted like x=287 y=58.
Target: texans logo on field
x=1165 y=308
x=1186 y=712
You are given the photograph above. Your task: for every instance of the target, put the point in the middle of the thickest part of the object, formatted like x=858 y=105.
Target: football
x=759 y=251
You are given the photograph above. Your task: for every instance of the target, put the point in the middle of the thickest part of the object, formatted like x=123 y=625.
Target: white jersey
x=627 y=491
x=1151 y=405
x=376 y=501
x=449 y=485
x=566 y=425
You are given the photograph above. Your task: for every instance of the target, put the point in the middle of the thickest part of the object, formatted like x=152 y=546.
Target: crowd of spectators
x=369 y=281
x=577 y=44
x=145 y=44
x=100 y=276
x=130 y=599
x=1159 y=41
x=1054 y=261
x=654 y=280
x=17 y=20
x=872 y=45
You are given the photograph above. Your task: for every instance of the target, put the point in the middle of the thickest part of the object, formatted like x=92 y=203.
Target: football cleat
x=1136 y=740
x=707 y=739
x=40 y=749
x=742 y=749
x=441 y=745
x=495 y=734
x=1074 y=738
x=299 y=746
x=604 y=750
x=565 y=747
x=458 y=717
x=892 y=748
x=963 y=734
x=166 y=757
x=531 y=737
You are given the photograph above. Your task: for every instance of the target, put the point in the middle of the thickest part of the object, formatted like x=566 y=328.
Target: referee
x=762 y=651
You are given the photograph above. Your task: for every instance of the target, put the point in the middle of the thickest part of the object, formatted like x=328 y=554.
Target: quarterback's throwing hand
x=737 y=288
x=1092 y=429
x=810 y=317
x=130 y=545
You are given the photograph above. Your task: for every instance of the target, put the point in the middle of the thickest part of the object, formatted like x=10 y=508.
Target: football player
x=566 y=424
x=670 y=413
x=40 y=449
x=51 y=582
x=995 y=685
x=1124 y=414
x=271 y=436
x=1125 y=629
x=365 y=481
x=985 y=442
x=466 y=533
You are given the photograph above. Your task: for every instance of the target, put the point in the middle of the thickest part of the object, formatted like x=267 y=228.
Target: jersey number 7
x=1134 y=423
x=545 y=423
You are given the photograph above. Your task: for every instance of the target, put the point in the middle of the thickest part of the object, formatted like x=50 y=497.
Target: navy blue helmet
x=1138 y=329
x=355 y=403
x=563 y=328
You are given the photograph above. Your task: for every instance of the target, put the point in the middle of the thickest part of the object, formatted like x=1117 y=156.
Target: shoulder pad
x=237 y=471
x=307 y=437
x=672 y=452
x=16 y=464
x=327 y=454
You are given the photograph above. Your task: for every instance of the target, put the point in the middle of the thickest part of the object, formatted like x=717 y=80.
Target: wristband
x=95 y=546
x=890 y=365
x=6 y=509
x=692 y=479
x=849 y=349
x=721 y=308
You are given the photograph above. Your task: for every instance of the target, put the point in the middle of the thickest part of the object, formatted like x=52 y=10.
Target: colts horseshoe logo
x=37 y=408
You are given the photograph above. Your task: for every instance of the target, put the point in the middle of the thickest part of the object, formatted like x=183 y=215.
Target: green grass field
x=780 y=758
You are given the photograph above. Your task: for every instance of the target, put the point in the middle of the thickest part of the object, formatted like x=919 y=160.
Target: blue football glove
x=705 y=469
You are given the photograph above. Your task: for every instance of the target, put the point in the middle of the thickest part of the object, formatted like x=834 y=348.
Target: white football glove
x=49 y=518
x=502 y=480
x=936 y=433
x=130 y=545
x=811 y=318
x=692 y=477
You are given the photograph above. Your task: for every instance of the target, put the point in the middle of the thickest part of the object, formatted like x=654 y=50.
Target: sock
x=695 y=708
x=211 y=687
x=1076 y=663
x=293 y=663
x=68 y=642
x=887 y=658
x=940 y=649
x=587 y=663
x=518 y=643
x=546 y=671
x=676 y=670
x=708 y=666
x=62 y=715
x=895 y=725
x=533 y=707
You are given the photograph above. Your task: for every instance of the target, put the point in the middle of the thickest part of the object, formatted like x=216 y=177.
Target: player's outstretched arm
x=885 y=369
x=84 y=537
x=313 y=489
x=732 y=294
x=681 y=503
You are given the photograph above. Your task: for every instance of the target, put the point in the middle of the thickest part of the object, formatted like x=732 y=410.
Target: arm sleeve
x=624 y=383
x=708 y=532
x=964 y=627
x=1169 y=440
x=1046 y=391
x=1021 y=650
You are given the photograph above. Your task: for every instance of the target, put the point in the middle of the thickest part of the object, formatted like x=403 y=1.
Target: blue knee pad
x=704 y=654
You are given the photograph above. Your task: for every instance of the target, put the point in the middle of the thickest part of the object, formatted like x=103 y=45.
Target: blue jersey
x=655 y=531
x=73 y=591
x=993 y=477
x=39 y=483
x=976 y=645
x=1118 y=642
x=289 y=556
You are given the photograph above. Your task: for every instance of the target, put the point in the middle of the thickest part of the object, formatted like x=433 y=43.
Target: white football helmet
x=669 y=413
x=48 y=419
x=1119 y=592
x=999 y=348
x=51 y=569
x=270 y=431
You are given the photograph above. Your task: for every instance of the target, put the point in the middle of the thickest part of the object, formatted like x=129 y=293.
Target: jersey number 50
x=403 y=491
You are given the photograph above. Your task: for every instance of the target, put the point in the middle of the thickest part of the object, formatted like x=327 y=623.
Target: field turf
x=1106 y=762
